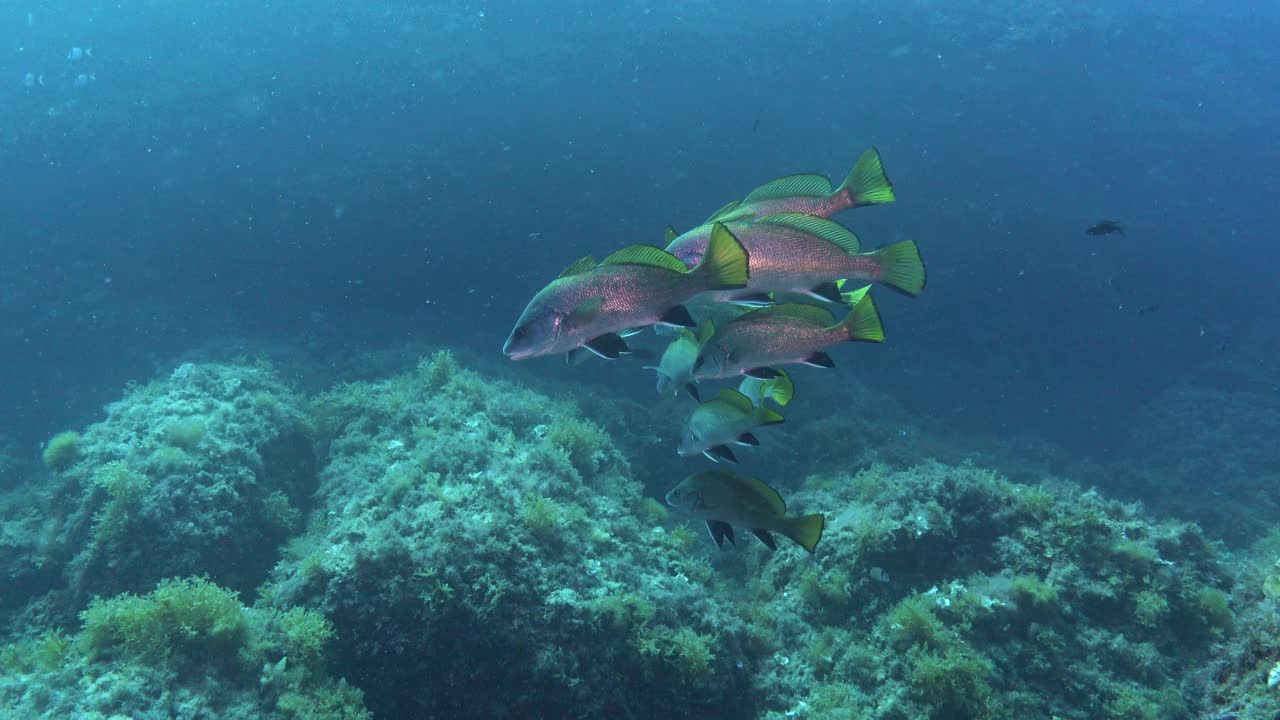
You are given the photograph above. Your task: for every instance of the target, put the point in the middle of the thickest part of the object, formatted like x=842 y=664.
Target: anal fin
x=820 y=359
x=609 y=346
x=720 y=453
x=765 y=538
x=721 y=531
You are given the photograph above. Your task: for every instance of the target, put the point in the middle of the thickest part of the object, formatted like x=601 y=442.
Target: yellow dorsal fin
x=728 y=208
x=647 y=255
x=806 y=185
x=795 y=311
x=829 y=230
x=579 y=267
x=705 y=332
x=735 y=400
x=773 y=501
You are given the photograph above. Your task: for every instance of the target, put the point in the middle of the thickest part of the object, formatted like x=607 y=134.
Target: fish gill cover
x=260 y=457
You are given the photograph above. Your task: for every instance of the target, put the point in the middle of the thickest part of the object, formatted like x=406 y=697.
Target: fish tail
x=867 y=183
x=806 y=530
x=900 y=267
x=724 y=265
x=862 y=324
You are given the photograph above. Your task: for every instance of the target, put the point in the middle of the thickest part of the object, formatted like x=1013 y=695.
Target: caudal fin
x=867 y=183
x=863 y=322
x=901 y=267
x=806 y=531
x=724 y=265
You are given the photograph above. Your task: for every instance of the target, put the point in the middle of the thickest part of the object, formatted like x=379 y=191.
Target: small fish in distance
x=1105 y=227
x=724 y=500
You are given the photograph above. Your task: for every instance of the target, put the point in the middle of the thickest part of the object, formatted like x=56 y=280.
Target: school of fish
x=759 y=285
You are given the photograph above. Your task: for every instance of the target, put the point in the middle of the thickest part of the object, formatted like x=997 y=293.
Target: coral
x=62 y=451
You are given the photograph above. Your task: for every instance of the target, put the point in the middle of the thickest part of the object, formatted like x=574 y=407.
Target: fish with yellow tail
x=785 y=334
x=675 y=367
x=779 y=389
x=588 y=304
x=796 y=253
x=725 y=500
x=724 y=420
x=811 y=194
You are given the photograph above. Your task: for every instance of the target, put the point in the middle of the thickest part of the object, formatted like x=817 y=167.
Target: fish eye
x=675 y=493
x=520 y=332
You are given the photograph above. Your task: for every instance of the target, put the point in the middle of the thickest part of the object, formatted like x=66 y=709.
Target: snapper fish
x=811 y=194
x=795 y=253
x=588 y=304
x=783 y=334
x=728 y=418
x=675 y=367
x=724 y=500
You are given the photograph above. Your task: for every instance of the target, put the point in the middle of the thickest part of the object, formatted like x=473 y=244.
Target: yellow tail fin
x=901 y=267
x=806 y=531
x=863 y=321
x=867 y=183
x=724 y=264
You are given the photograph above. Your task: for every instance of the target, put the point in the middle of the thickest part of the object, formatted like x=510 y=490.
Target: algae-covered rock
x=186 y=649
x=950 y=592
x=202 y=472
x=480 y=550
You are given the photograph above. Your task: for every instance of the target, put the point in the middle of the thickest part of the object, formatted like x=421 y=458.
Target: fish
x=728 y=418
x=725 y=500
x=791 y=252
x=812 y=194
x=779 y=389
x=675 y=367
x=589 y=303
x=1105 y=227
x=786 y=333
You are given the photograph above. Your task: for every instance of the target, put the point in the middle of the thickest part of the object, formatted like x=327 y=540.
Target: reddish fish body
x=634 y=287
x=784 y=334
x=810 y=194
x=796 y=253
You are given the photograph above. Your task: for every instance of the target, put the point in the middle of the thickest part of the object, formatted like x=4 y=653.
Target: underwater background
x=261 y=454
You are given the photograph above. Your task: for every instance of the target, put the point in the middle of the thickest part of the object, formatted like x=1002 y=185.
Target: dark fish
x=1105 y=227
x=723 y=500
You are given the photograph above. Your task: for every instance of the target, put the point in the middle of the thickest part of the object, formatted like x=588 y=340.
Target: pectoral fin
x=748 y=439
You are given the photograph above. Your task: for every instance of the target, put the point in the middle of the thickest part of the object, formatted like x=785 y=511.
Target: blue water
x=384 y=171
x=321 y=182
